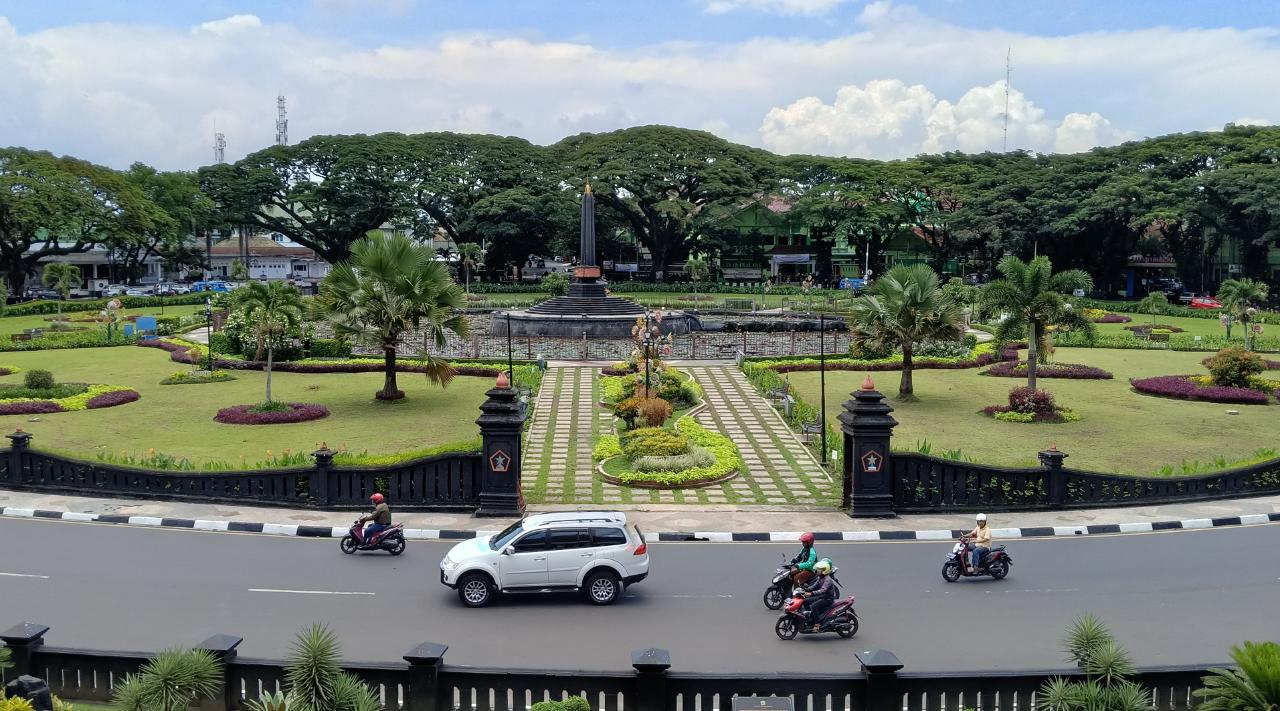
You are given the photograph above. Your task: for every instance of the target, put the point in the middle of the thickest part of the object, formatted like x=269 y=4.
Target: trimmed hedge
x=75 y=339
x=1183 y=387
x=33 y=308
x=244 y=414
x=982 y=354
x=1271 y=317
x=1072 y=371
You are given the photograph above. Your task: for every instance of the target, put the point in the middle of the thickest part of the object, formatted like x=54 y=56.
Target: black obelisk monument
x=586 y=277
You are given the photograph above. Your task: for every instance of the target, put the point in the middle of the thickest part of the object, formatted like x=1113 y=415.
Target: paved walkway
x=557 y=465
x=780 y=469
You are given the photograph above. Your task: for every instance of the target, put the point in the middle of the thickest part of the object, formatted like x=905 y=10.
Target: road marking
x=309 y=592
x=689 y=597
x=24 y=575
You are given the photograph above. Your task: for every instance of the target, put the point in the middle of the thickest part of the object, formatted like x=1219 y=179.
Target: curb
x=280 y=529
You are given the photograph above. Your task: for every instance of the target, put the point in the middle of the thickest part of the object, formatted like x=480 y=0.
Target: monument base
x=500 y=505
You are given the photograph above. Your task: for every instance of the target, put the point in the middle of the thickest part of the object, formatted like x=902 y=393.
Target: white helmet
x=982 y=517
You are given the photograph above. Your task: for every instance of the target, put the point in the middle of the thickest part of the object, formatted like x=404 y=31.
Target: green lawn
x=16 y=324
x=1192 y=326
x=1121 y=431
x=177 y=420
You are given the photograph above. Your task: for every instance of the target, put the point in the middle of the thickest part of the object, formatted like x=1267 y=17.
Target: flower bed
x=1073 y=371
x=1004 y=413
x=1147 y=329
x=296 y=412
x=92 y=398
x=982 y=354
x=187 y=377
x=615 y=468
x=8 y=370
x=1103 y=316
x=1185 y=387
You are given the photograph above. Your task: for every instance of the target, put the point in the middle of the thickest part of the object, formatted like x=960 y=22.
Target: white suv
x=593 y=552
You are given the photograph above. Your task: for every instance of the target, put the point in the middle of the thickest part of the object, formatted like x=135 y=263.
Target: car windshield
x=500 y=541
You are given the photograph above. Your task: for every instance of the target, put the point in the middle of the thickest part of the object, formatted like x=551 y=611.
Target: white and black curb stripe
x=279 y=529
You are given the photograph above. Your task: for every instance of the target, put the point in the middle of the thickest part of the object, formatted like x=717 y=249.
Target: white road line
x=24 y=575
x=309 y=592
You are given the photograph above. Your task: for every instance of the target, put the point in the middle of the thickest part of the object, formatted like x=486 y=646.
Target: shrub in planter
x=38 y=379
x=1073 y=371
x=653 y=441
x=258 y=415
x=695 y=457
x=1026 y=400
x=1232 y=367
x=655 y=411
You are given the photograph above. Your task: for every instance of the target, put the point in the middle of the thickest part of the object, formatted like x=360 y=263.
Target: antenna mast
x=1008 y=72
x=282 y=123
x=219 y=144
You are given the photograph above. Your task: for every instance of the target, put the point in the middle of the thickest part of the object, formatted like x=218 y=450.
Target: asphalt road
x=1174 y=598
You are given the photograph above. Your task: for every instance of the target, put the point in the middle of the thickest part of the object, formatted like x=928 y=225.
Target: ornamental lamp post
x=1249 y=313
x=208 y=321
x=822 y=370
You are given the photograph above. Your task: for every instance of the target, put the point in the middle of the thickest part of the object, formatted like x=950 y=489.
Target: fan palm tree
x=1031 y=297
x=1253 y=684
x=471 y=256
x=272 y=308
x=392 y=286
x=1237 y=297
x=902 y=308
x=62 y=278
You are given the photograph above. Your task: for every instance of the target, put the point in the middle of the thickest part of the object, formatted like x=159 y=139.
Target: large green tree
x=181 y=212
x=903 y=308
x=1030 y=298
x=660 y=180
x=326 y=192
x=391 y=287
x=54 y=206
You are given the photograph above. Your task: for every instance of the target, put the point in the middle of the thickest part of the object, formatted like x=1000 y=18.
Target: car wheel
x=475 y=590
x=602 y=587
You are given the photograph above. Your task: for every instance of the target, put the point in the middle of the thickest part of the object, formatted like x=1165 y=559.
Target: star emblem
x=500 y=461
x=871 y=462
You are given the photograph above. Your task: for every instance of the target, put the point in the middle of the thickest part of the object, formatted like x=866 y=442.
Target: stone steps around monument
x=570 y=306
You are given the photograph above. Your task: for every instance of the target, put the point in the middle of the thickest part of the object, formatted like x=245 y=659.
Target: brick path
x=567 y=419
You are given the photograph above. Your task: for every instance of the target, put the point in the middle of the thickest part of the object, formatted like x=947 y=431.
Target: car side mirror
x=509 y=550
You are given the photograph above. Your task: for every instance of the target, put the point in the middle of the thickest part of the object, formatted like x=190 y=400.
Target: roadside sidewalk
x=673 y=522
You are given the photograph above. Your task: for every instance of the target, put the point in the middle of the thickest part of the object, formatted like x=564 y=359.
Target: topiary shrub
x=1031 y=402
x=43 y=380
x=655 y=411
x=573 y=703
x=653 y=441
x=1230 y=367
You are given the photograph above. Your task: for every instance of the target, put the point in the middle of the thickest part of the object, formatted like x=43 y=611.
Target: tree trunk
x=389 y=391
x=1032 y=357
x=270 y=354
x=262 y=344
x=905 y=386
x=468 y=268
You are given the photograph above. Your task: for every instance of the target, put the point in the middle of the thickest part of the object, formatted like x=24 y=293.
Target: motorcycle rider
x=802 y=564
x=979 y=541
x=820 y=593
x=380 y=517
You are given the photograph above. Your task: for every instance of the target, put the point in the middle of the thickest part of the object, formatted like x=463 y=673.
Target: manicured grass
x=16 y=324
x=178 y=421
x=1191 y=326
x=1121 y=431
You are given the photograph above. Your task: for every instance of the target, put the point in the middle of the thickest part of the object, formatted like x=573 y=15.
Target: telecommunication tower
x=1008 y=73
x=282 y=123
x=219 y=147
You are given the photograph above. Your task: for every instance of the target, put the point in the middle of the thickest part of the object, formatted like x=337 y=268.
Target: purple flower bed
x=6 y=371
x=1010 y=352
x=111 y=399
x=1113 y=318
x=1181 y=387
x=244 y=415
x=36 y=407
x=1073 y=371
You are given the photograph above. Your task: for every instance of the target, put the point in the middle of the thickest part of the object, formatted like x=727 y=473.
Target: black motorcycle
x=782 y=583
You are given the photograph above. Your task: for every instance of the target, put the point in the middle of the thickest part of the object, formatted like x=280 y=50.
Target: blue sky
x=148 y=80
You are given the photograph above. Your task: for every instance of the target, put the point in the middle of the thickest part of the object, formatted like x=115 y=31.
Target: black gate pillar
x=500 y=428
x=868 y=433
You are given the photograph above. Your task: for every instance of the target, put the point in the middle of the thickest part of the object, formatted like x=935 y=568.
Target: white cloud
x=389 y=7
x=888 y=119
x=116 y=93
x=780 y=7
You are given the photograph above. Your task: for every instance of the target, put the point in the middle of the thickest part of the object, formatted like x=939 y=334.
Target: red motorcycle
x=390 y=539
x=840 y=619
x=995 y=563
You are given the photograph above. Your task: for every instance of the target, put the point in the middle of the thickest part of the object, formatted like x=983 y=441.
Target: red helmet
x=806 y=538
x=377 y=498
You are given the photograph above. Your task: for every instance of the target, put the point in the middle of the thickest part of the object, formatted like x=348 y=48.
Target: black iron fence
x=881 y=482
x=447 y=482
x=424 y=682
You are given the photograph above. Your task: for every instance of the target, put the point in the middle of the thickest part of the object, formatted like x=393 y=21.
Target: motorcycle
x=995 y=563
x=390 y=539
x=782 y=584
x=840 y=619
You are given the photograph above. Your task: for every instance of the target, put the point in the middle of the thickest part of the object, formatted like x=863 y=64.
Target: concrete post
x=21 y=442
x=651 y=667
x=320 y=484
x=1051 y=460
x=868 y=427
x=881 y=668
x=425 y=692
x=23 y=640
x=223 y=647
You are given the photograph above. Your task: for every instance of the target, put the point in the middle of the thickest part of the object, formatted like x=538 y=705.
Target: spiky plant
x=173 y=680
x=1107 y=668
x=1085 y=634
x=1253 y=684
x=269 y=701
x=312 y=666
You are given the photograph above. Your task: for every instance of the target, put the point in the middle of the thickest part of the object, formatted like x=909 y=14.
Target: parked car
x=171 y=289
x=37 y=292
x=1205 y=302
x=115 y=290
x=595 y=553
x=138 y=291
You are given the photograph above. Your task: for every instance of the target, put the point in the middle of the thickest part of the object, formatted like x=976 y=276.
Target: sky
x=152 y=80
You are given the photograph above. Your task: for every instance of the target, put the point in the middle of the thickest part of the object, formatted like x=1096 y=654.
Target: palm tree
x=62 y=278
x=273 y=308
x=1253 y=684
x=471 y=254
x=1237 y=297
x=1154 y=303
x=698 y=269
x=392 y=286
x=902 y=308
x=1031 y=297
